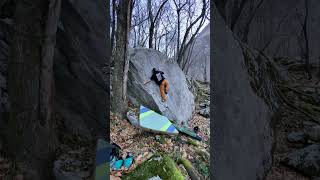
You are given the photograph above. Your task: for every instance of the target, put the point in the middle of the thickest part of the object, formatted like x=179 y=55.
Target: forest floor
x=144 y=144
x=75 y=158
x=76 y=154
x=293 y=117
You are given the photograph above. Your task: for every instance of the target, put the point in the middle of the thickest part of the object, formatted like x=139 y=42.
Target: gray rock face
x=80 y=55
x=277 y=26
x=199 y=67
x=180 y=104
x=306 y=160
x=242 y=137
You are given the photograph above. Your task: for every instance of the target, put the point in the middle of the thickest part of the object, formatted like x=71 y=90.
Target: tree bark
x=30 y=137
x=185 y=44
x=305 y=32
x=178 y=31
x=151 y=28
x=121 y=62
x=153 y=21
x=113 y=23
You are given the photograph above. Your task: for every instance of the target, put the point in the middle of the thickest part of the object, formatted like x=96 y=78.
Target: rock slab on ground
x=180 y=104
x=306 y=160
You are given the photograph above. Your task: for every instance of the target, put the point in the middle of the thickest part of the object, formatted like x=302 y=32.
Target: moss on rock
x=164 y=167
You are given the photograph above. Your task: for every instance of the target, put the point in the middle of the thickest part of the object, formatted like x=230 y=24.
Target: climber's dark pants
x=164 y=87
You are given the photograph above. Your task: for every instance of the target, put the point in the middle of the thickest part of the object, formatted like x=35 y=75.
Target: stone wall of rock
x=277 y=26
x=242 y=136
x=80 y=55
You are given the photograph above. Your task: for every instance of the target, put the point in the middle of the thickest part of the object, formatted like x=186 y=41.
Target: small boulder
x=204 y=104
x=314 y=133
x=205 y=112
x=297 y=137
x=60 y=174
x=306 y=160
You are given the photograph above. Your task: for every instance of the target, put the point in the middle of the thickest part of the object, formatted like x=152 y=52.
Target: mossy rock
x=192 y=142
x=165 y=168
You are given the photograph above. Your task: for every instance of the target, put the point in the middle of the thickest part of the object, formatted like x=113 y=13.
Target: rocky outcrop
x=199 y=54
x=297 y=137
x=306 y=160
x=180 y=104
x=81 y=96
x=314 y=133
x=242 y=138
x=275 y=26
x=80 y=55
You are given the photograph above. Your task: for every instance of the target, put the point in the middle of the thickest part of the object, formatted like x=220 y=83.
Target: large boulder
x=180 y=104
x=199 y=54
x=242 y=138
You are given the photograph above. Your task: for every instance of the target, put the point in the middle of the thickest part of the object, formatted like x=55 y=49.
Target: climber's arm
x=147 y=81
x=151 y=78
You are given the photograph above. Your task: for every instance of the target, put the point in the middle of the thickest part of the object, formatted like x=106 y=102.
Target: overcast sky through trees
x=166 y=24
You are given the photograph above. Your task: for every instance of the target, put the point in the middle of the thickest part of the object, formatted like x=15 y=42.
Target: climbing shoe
x=128 y=161
x=117 y=164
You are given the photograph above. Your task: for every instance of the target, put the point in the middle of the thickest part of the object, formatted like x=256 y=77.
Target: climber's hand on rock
x=146 y=82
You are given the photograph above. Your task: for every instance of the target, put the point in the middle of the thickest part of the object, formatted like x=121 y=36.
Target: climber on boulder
x=159 y=79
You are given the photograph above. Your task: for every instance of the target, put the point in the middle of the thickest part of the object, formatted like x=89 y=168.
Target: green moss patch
x=165 y=168
x=192 y=142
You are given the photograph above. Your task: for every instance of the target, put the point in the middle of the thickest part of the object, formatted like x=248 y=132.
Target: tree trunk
x=305 y=32
x=178 y=32
x=155 y=37
x=185 y=44
x=151 y=28
x=30 y=137
x=121 y=63
x=113 y=23
x=151 y=32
